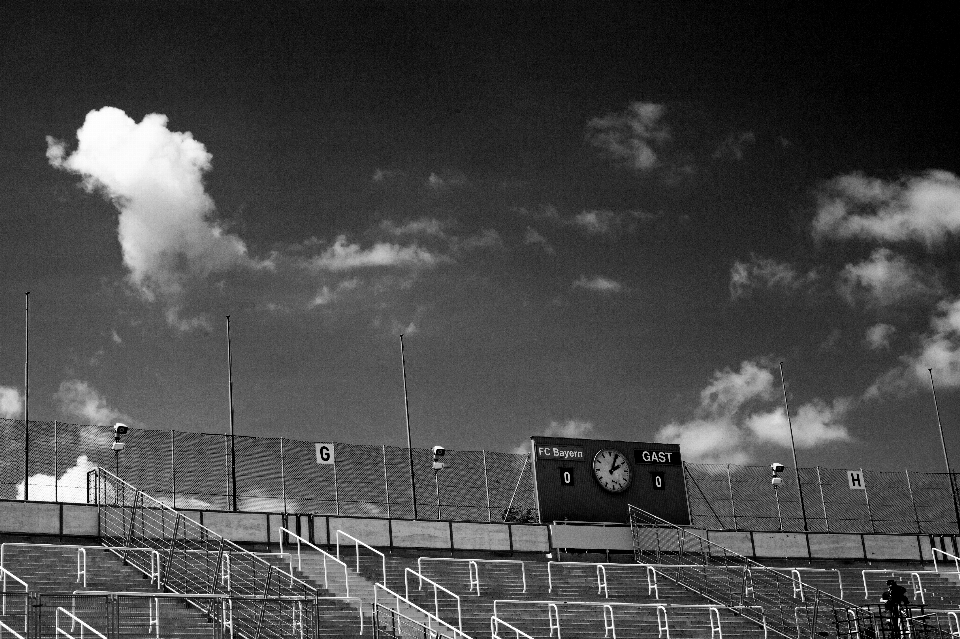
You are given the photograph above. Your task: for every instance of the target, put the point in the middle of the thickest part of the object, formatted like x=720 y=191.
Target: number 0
x=567 y=479
x=658 y=481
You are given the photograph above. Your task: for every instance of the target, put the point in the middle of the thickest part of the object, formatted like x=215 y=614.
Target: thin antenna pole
x=233 y=448
x=406 y=412
x=26 y=396
x=943 y=442
x=793 y=446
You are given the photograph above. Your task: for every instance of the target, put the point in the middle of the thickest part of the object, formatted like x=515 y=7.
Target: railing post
x=173 y=468
x=913 y=502
x=56 y=460
x=733 y=508
x=283 y=478
x=386 y=481
x=823 y=502
x=486 y=485
x=866 y=497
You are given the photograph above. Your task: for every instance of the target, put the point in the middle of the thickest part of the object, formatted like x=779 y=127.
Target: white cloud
x=531 y=236
x=382 y=175
x=878 y=336
x=576 y=428
x=735 y=145
x=762 y=273
x=485 y=239
x=423 y=226
x=815 y=423
x=924 y=208
x=739 y=410
x=79 y=399
x=71 y=487
x=115 y=336
x=11 y=403
x=631 y=137
x=886 y=279
x=597 y=222
x=154 y=176
x=598 y=284
x=342 y=256
x=327 y=294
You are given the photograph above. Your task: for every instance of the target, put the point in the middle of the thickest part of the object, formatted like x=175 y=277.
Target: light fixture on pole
x=776 y=481
x=438 y=452
x=119 y=429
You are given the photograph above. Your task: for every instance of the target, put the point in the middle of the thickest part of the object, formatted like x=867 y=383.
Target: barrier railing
x=473 y=566
x=600 y=568
x=945 y=555
x=193 y=558
x=323 y=553
x=437 y=589
x=437 y=627
x=495 y=625
x=356 y=548
x=734 y=581
x=75 y=621
x=4 y=629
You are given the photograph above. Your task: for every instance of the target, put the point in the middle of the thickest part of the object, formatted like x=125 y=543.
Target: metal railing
x=195 y=559
x=473 y=568
x=496 y=623
x=733 y=581
x=436 y=626
x=75 y=621
x=437 y=589
x=357 y=543
x=323 y=554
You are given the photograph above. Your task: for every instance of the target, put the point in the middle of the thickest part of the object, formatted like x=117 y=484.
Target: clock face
x=612 y=471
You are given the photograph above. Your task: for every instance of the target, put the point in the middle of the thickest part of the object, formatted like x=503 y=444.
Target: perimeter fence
x=192 y=470
x=728 y=497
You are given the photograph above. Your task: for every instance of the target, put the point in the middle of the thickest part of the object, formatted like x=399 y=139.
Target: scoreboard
x=595 y=480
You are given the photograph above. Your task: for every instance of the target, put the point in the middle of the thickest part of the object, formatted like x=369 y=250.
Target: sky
x=606 y=221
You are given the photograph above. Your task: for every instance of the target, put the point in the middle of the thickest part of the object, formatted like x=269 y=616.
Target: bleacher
x=160 y=574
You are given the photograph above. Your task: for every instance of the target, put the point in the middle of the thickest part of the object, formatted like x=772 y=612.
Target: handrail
x=917 y=586
x=74 y=620
x=26 y=589
x=82 y=557
x=892 y=573
x=799 y=569
x=357 y=543
x=324 y=553
x=933 y=555
x=429 y=631
x=430 y=617
x=553 y=613
x=226 y=597
x=609 y=627
x=12 y=631
x=601 y=573
x=496 y=622
x=436 y=587
x=652 y=586
x=475 y=562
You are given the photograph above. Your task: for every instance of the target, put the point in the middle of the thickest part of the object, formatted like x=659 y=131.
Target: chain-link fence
x=192 y=470
x=728 y=497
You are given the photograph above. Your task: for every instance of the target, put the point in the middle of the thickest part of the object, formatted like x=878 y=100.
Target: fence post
x=336 y=487
x=866 y=496
x=173 y=468
x=486 y=485
x=56 y=460
x=386 y=482
x=916 y=513
x=733 y=508
x=823 y=502
x=283 y=478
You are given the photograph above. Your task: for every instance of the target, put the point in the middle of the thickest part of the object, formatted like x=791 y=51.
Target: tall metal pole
x=233 y=447
x=946 y=459
x=26 y=397
x=406 y=412
x=793 y=447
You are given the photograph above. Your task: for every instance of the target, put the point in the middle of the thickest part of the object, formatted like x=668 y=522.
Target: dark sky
x=612 y=221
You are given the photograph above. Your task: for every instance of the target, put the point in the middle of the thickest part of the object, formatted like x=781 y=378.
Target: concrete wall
x=66 y=521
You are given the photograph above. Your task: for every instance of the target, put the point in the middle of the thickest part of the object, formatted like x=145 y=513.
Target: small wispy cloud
x=878 y=336
x=887 y=279
x=761 y=273
x=598 y=284
x=735 y=145
x=78 y=398
x=421 y=227
x=532 y=236
x=344 y=256
x=574 y=428
x=631 y=137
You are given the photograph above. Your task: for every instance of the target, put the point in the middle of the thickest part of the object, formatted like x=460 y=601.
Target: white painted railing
x=5 y=628
x=437 y=588
x=473 y=568
x=75 y=621
x=798 y=583
x=601 y=574
x=936 y=567
x=323 y=553
x=356 y=544
x=454 y=633
x=496 y=622
x=7 y=574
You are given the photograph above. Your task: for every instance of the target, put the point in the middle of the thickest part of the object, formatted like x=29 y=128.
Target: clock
x=612 y=471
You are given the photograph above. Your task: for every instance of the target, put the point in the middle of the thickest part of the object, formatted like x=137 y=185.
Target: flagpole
x=26 y=397
x=406 y=412
x=793 y=447
x=943 y=443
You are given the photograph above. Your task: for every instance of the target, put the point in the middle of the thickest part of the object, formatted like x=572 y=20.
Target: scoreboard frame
x=568 y=487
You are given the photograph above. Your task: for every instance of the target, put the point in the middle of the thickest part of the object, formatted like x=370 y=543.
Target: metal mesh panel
x=258 y=474
x=11 y=463
x=309 y=485
x=200 y=466
x=360 y=480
